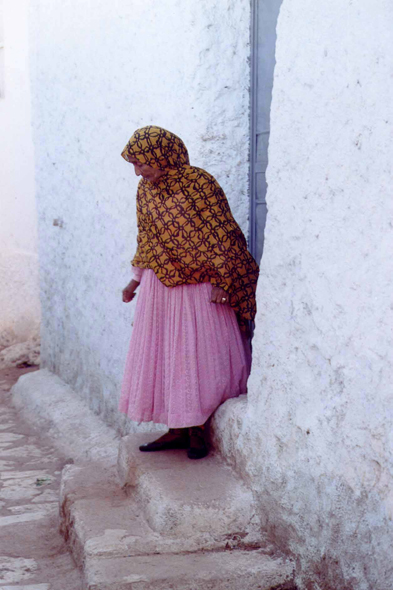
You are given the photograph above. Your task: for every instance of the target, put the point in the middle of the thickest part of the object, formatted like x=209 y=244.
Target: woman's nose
x=137 y=171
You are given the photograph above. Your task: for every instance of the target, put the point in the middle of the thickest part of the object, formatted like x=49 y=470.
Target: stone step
x=112 y=527
x=114 y=545
x=231 y=570
x=99 y=518
x=185 y=498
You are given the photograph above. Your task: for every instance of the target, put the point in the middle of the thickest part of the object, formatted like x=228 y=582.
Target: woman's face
x=148 y=172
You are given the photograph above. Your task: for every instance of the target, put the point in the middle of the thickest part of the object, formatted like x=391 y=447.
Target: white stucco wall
x=99 y=72
x=314 y=437
x=19 y=293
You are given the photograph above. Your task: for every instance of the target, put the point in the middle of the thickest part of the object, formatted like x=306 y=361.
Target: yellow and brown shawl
x=186 y=231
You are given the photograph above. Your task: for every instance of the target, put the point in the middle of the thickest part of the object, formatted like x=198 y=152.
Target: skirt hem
x=174 y=421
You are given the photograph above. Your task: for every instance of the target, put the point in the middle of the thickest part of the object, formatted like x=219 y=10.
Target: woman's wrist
x=133 y=284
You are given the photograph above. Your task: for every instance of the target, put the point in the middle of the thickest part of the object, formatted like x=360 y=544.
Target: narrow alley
x=195 y=235
x=33 y=554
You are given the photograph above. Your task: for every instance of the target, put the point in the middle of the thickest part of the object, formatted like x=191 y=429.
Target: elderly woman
x=189 y=348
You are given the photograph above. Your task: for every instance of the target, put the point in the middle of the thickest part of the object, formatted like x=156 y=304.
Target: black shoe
x=165 y=442
x=198 y=448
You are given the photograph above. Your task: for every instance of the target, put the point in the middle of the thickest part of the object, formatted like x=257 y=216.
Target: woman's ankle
x=179 y=431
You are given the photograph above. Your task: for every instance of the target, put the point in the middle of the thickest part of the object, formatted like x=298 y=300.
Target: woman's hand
x=219 y=295
x=129 y=291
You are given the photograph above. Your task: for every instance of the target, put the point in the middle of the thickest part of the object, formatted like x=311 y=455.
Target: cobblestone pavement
x=33 y=554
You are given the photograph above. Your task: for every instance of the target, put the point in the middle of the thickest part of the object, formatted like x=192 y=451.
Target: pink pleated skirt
x=186 y=355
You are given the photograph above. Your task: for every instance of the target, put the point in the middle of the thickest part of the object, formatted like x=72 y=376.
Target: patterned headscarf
x=186 y=231
x=157 y=148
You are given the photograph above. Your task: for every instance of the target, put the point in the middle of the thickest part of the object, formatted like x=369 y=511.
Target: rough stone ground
x=20 y=354
x=33 y=554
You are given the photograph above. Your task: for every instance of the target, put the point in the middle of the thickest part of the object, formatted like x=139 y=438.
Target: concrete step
x=184 y=498
x=114 y=545
x=233 y=570
x=99 y=519
x=170 y=523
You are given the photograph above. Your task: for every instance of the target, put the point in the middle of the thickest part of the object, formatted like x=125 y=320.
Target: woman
x=189 y=349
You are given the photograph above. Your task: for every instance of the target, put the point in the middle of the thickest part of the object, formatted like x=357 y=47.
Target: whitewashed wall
x=19 y=293
x=315 y=437
x=100 y=70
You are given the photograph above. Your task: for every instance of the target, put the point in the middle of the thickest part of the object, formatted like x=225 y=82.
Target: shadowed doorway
x=263 y=44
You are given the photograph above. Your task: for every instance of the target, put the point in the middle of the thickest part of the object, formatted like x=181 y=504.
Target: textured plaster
x=19 y=293
x=314 y=437
x=97 y=74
